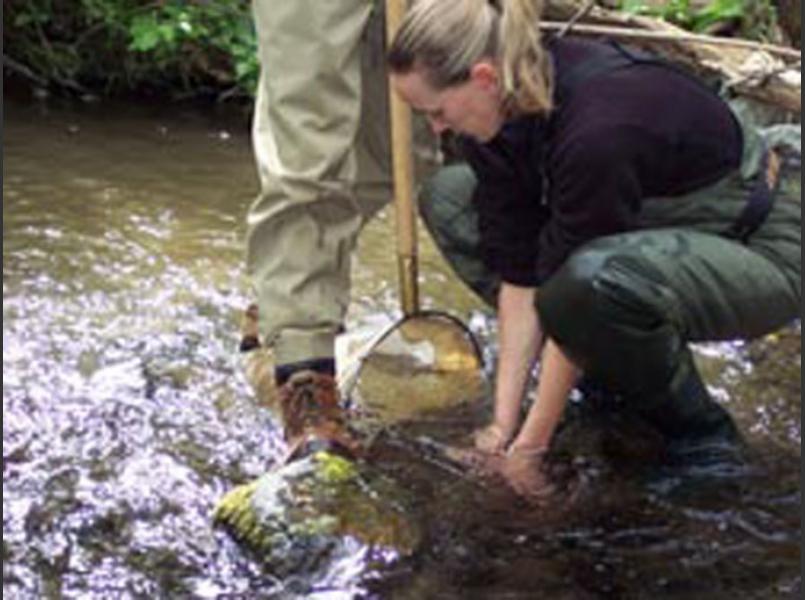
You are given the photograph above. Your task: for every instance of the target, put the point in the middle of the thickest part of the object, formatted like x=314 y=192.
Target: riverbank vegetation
x=207 y=49
x=183 y=49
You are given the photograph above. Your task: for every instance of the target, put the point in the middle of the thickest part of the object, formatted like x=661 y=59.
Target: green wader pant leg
x=445 y=205
x=320 y=142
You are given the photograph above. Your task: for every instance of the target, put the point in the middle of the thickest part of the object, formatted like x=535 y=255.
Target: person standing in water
x=320 y=141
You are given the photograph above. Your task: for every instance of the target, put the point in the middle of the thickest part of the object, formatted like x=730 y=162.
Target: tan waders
x=320 y=140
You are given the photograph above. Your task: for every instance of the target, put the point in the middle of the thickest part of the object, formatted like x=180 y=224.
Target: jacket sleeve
x=510 y=213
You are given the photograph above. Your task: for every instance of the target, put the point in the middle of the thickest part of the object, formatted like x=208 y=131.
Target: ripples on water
x=125 y=414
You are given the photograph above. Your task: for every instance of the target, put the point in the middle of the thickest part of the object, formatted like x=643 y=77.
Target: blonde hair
x=445 y=38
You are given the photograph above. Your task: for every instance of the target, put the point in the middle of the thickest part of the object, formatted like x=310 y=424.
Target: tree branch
x=627 y=33
x=763 y=72
x=20 y=69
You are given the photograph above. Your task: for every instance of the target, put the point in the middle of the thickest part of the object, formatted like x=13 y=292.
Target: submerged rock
x=314 y=510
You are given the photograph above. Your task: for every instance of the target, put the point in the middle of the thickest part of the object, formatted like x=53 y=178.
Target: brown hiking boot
x=312 y=415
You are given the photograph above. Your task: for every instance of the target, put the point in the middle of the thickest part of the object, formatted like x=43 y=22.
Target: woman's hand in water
x=492 y=439
x=523 y=469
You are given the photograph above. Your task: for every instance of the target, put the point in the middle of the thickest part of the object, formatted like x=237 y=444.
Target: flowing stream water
x=126 y=414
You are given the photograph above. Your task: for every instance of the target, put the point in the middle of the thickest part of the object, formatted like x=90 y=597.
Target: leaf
x=168 y=33
x=715 y=12
x=145 y=34
x=636 y=7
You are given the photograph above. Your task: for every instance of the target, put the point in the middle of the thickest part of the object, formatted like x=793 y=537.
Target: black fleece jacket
x=617 y=136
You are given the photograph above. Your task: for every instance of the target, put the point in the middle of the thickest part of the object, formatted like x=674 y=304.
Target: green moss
x=333 y=469
x=318 y=501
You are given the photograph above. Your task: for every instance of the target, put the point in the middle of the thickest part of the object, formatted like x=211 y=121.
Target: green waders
x=626 y=307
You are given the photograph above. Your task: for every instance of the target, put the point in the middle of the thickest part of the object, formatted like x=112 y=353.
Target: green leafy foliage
x=752 y=18
x=207 y=47
x=188 y=48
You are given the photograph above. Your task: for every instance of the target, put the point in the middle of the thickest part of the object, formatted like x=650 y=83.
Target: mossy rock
x=314 y=510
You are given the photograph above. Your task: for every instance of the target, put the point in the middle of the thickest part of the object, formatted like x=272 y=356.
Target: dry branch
x=770 y=74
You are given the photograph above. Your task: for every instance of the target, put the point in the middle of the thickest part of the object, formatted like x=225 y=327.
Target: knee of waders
x=445 y=203
x=611 y=319
x=446 y=206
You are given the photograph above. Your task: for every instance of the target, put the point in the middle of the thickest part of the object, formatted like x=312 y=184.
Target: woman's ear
x=485 y=74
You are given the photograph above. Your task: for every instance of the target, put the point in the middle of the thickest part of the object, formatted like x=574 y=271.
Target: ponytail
x=524 y=62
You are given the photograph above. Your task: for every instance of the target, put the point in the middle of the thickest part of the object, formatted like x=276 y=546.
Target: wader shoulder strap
x=761 y=198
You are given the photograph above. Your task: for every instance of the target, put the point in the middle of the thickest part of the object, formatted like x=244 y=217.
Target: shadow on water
x=126 y=414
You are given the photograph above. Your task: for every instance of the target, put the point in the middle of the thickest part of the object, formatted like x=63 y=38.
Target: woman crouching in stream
x=612 y=208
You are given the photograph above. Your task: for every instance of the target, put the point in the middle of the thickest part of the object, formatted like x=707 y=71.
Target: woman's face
x=470 y=108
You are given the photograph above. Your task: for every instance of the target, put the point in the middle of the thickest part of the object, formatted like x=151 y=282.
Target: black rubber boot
x=700 y=434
